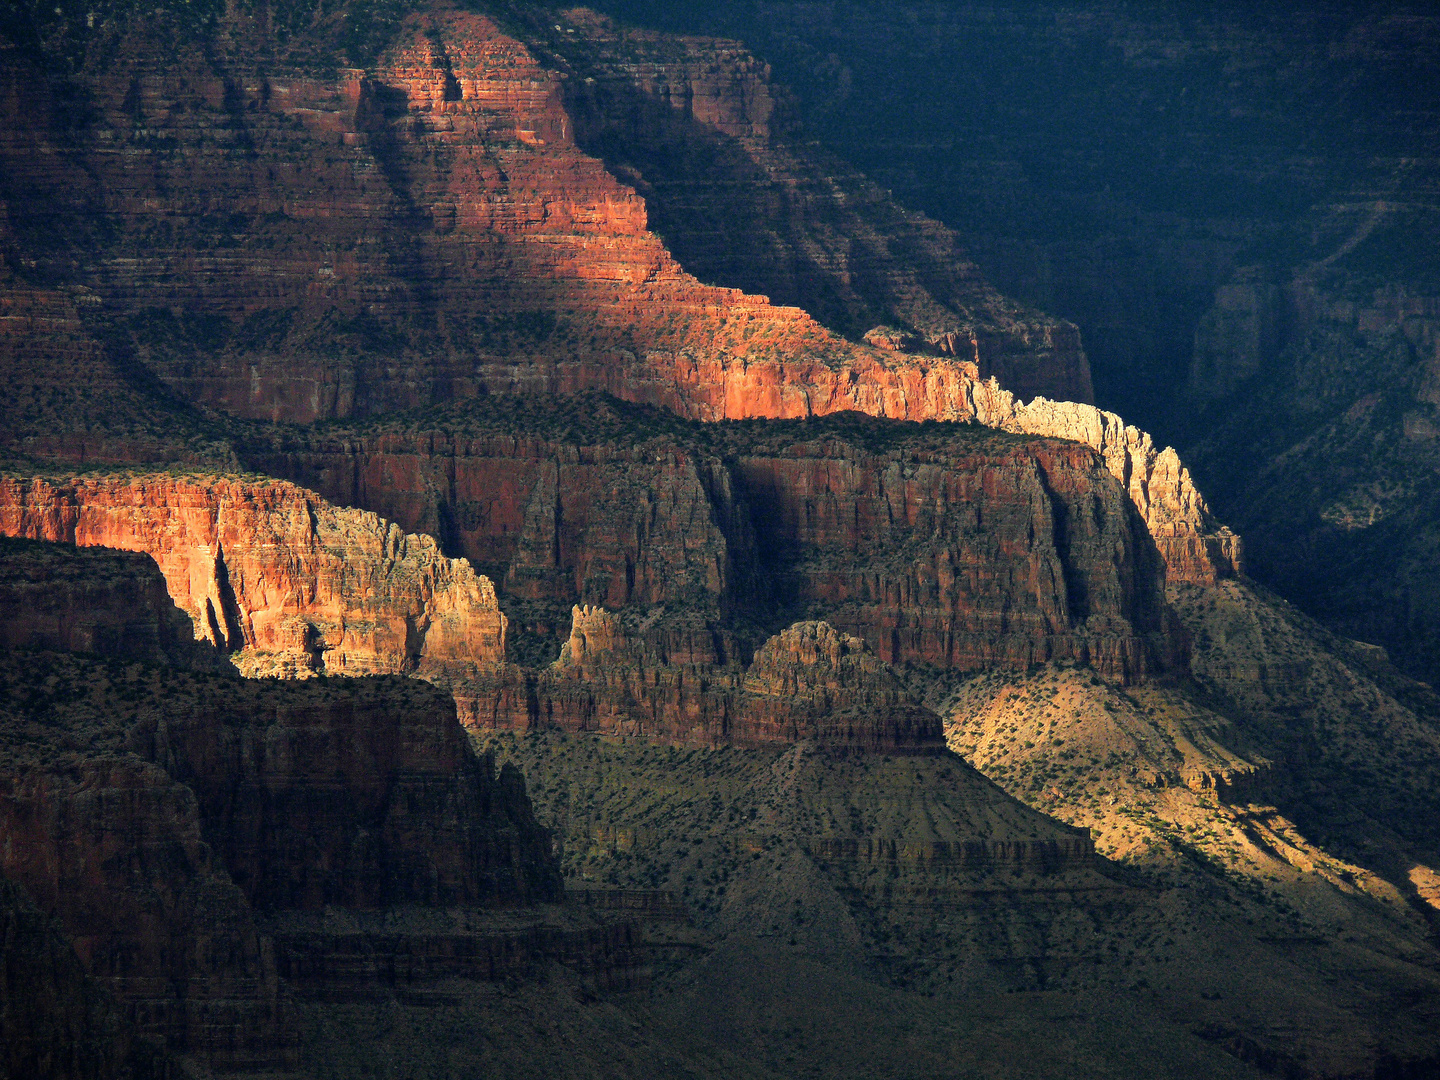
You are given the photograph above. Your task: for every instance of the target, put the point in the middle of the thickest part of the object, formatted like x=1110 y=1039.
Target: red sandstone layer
x=954 y=552
x=309 y=245
x=271 y=569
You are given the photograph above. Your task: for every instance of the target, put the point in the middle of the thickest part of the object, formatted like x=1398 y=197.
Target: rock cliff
x=95 y=600
x=57 y=1021
x=946 y=544
x=272 y=573
x=383 y=205
x=111 y=846
x=152 y=812
x=809 y=683
x=744 y=198
x=812 y=683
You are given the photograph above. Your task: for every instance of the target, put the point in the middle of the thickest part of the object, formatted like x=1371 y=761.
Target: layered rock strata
x=272 y=572
x=152 y=812
x=809 y=683
x=715 y=147
x=95 y=600
x=382 y=206
x=941 y=545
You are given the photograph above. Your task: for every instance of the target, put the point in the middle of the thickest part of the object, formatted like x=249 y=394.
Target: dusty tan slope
x=1284 y=784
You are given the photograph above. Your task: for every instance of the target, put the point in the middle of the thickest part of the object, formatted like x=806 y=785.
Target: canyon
x=1236 y=209
x=509 y=545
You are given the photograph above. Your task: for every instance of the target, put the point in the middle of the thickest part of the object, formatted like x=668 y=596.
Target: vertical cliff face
x=55 y=597
x=272 y=572
x=716 y=149
x=964 y=549
x=361 y=795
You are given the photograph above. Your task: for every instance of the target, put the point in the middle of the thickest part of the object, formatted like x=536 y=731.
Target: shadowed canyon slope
x=1239 y=208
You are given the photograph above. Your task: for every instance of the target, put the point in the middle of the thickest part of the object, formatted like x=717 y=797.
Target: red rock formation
x=378 y=209
x=744 y=199
x=809 y=683
x=961 y=551
x=270 y=569
x=337 y=265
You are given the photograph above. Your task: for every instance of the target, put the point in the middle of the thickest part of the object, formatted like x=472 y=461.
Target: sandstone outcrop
x=813 y=683
x=946 y=545
x=810 y=683
x=1196 y=548
x=272 y=573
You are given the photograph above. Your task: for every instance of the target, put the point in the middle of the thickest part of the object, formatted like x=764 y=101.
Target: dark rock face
x=56 y=1021
x=151 y=811
x=360 y=796
x=113 y=849
x=95 y=600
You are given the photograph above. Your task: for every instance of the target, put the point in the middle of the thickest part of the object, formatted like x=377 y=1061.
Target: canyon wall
x=273 y=573
x=1016 y=550
x=421 y=227
x=429 y=213
x=153 y=812
x=745 y=199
